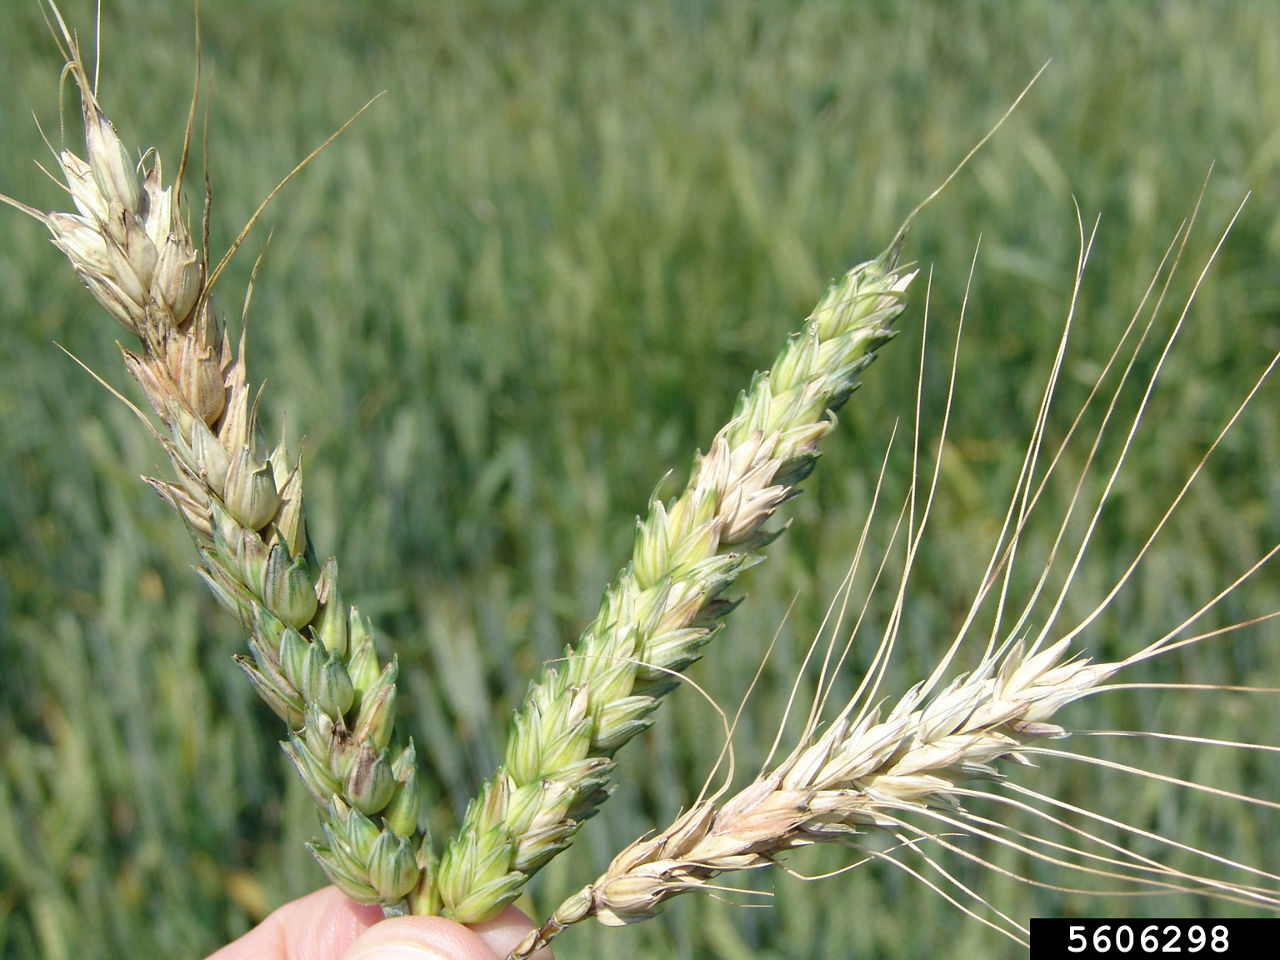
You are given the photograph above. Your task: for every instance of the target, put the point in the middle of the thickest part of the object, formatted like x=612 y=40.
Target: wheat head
x=664 y=606
x=312 y=658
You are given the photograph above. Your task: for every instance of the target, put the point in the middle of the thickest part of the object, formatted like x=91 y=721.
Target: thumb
x=434 y=938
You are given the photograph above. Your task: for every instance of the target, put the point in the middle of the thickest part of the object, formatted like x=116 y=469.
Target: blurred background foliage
x=530 y=281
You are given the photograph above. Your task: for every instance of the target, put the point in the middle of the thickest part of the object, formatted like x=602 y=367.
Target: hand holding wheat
x=313 y=659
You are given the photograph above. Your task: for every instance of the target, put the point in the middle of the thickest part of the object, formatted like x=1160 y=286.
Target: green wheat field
x=525 y=285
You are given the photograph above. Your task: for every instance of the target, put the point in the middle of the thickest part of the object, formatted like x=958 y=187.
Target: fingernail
x=402 y=950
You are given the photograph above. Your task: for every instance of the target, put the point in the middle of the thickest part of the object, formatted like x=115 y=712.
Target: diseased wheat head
x=312 y=658
x=906 y=772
